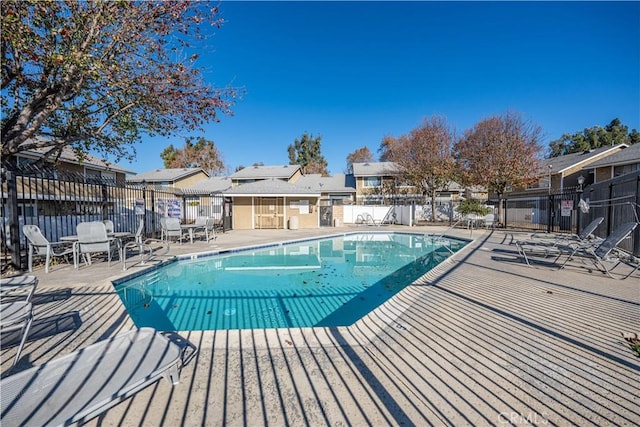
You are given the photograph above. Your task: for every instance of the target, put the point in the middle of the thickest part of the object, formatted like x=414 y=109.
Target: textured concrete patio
x=482 y=340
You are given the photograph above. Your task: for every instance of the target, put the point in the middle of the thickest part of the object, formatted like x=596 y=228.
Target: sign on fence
x=566 y=206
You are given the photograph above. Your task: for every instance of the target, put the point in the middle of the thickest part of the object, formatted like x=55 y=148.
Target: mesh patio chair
x=40 y=246
x=171 y=229
x=92 y=238
x=16 y=316
x=10 y=286
x=206 y=229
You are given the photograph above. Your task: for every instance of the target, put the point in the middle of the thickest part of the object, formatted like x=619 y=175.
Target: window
x=625 y=169
x=372 y=181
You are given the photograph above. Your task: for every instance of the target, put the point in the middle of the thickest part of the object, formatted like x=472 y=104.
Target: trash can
x=336 y=222
x=293 y=223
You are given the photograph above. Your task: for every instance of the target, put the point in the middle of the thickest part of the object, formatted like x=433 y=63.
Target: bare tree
x=498 y=153
x=425 y=157
x=361 y=155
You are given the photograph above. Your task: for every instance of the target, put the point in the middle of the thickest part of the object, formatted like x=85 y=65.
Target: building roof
x=166 y=175
x=562 y=163
x=266 y=172
x=69 y=156
x=625 y=156
x=215 y=184
x=271 y=187
x=375 y=169
x=338 y=183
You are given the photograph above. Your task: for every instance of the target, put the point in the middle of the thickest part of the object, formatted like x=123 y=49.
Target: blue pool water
x=324 y=282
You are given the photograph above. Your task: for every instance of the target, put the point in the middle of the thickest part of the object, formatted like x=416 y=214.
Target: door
x=269 y=212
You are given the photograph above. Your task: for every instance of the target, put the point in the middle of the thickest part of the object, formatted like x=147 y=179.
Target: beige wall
x=190 y=180
x=310 y=220
x=242 y=213
x=295 y=176
x=603 y=174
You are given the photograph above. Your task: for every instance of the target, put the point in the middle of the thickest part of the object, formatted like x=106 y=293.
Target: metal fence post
x=550 y=214
x=14 y=219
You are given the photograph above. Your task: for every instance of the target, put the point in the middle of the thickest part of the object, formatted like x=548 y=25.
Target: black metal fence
x=617 y=200
x=57 y=201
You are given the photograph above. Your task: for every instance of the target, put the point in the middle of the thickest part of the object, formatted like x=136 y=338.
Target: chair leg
x=25 y=332
x=47 y=260
x=30 y=262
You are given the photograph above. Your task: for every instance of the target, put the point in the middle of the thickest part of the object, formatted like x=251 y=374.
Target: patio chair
x=207 y=229
x=585 y=234
x=15 y=316
x=10 y=285
x=606 y=251
x=143 y=245
x=171 y=229
x=108 y=224
x=79 y=386
x=92 y=238
x=540 y=241
x=600 y=252
x=489 y=220
x=368 y=219
x=40 y=246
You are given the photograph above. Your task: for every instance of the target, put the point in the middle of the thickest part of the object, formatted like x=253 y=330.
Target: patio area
x=482 y=340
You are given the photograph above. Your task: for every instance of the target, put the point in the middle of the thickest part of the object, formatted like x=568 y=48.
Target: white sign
x=566 y=206
x=304 y=207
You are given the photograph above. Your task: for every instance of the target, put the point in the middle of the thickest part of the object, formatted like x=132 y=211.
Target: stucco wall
x=309 y=220
x=242 y=213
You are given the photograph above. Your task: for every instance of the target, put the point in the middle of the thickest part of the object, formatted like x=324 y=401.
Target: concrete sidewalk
x=482 y=339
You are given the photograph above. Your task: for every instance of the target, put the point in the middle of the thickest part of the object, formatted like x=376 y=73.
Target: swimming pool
x=322 y=282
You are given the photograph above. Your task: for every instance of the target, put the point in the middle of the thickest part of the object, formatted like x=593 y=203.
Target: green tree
x=499 y=152
x=361 y=155
x=594 y=137
x=201 y=154
x=425 y=157
x=305 y=151
x=95 y=75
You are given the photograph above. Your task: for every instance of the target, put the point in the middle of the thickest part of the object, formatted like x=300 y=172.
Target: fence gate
x=326 y=216
x=269 y=212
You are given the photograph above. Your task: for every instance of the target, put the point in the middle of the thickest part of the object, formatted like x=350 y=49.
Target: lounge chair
x=600 y=252
x=40 y=246
x=83 y=384
x=552 y=244
x=551 y=239
x=15 y=316
x=10 y=285
x=606 y=251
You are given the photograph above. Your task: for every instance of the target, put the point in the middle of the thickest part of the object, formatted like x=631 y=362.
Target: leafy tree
x=361 y=155
x=499 y=152
x=98 y=74
x=425 y=158
x=201 y=154
x=595 y=137
x=305 y=151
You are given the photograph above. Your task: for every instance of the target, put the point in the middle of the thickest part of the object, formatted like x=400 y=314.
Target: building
x=172 y=178
x=559 y=173
x=626 y=160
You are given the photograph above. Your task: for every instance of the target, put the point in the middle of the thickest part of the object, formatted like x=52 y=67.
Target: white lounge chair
x=40 y=246
x=206 y=228
x=10 y=285
x=83 y=384
x=16 y=316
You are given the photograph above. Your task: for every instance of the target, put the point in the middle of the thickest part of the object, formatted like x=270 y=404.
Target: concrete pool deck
x=481 y=340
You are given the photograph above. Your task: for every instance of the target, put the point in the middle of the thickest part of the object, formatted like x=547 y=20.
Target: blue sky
x=354 y=72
